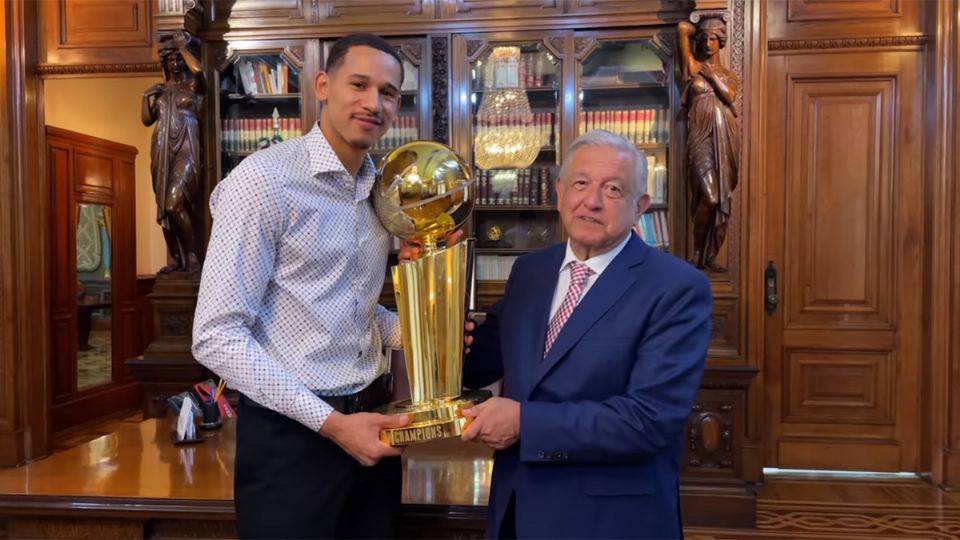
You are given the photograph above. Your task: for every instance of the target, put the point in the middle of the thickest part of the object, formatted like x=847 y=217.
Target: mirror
x=94 y=296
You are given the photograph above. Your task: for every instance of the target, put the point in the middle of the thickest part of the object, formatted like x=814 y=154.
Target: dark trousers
x=290 y=482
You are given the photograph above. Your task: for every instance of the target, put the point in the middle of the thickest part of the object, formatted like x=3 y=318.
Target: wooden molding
x=52 y=70
x=847 y=43
x=24 y=237
x=943 y=299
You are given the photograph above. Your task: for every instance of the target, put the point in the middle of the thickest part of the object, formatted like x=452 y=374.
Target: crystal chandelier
x=505 y=135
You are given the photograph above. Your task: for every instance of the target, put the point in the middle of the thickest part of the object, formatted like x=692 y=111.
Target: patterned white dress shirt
x=288 y=307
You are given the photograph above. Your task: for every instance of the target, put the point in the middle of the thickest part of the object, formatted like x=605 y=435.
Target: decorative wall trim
x=45 y=70
x=439 y=100
x=847 y=43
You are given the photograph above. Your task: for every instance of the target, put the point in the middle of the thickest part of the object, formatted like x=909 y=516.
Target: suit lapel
x=540 y=296
x=610 y=287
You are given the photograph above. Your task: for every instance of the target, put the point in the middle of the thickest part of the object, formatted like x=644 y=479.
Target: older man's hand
x=495 y=423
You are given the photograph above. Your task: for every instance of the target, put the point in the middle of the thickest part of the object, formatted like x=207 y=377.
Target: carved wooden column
x=24 y=235
x=944 y=299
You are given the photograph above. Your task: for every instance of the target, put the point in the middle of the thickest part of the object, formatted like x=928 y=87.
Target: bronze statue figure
x=175 y=150
x=709 y=94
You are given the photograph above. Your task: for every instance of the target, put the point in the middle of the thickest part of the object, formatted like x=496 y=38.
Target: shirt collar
x=324 y=160
x=598 y=263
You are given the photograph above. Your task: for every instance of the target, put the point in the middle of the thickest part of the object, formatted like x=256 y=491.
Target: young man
x=601 y=343
x=287 y=314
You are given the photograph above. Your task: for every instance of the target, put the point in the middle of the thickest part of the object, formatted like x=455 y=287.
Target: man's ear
x=321 y=85
x=643 y=203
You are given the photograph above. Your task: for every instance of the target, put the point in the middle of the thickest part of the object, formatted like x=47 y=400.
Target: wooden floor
x=799 y=507
x=789 y=506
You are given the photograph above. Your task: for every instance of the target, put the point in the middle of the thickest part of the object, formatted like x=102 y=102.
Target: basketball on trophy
x=424 y=190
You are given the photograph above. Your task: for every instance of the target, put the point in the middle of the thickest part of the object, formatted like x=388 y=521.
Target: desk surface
x=141 y=462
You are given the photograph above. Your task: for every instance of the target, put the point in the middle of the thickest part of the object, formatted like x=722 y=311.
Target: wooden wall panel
x=835 y=386
x=267 y=12
x=94 y=172
x=487 y=9
x=843 y=351
x=103 y=36
x=855 y=19
x=346 y=11
x=621 y=6
x=840 y=213
x=104 y=23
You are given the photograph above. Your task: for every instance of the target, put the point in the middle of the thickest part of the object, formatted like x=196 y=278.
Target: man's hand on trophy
x=411 y=251
x=359 y=435
x=495 y=423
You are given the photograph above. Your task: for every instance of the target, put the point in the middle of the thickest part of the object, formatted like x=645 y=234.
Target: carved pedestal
x=716 y=487
x=167 y=367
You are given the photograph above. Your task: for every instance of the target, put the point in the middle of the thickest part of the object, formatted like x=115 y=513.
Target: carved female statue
x=709 y=93
x=175 y=150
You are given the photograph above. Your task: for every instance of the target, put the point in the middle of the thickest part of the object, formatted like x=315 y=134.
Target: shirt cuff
x=309 y=410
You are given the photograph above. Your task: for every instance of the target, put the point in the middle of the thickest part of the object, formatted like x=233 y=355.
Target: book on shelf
x=494 y=267
x=516 y=187
x=654 y=229
x=258 y=78
x=642 y=126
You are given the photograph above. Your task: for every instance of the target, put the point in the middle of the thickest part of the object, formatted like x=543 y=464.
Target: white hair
x=601 y=137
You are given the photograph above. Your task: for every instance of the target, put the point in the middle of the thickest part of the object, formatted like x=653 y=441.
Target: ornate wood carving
x=555 y=45
x=413 y=52
x=665 y=43
x=583 y=46
x=439 y=99
x=848 y=43
x=475 y=47
x=48 y=70
x=710 y=435
x=294 y=55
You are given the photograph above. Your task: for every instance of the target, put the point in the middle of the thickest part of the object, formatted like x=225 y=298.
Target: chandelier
x=505 y=134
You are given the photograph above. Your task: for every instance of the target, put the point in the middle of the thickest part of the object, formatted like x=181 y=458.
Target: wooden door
x=843 y=231
x=94 y=319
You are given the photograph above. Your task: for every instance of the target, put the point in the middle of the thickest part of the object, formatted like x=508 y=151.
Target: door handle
x=770 y=298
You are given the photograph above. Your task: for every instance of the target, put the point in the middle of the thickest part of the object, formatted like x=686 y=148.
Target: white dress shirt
x=598 y=264
x=288 y=297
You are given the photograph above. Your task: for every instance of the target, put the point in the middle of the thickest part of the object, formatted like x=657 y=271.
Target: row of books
x=248 y=134
x=526 y=71
x=403 y=130
x=533 y=186
x=654 y=229
x=494 y=267
x=642 y=126
x=544 y=123
x=656 y=180
x=259 y=78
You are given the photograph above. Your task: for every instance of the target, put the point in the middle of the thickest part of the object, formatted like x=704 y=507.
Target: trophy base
x=431 y=421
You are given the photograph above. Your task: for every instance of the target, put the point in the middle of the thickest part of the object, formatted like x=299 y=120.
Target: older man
x=601 y=344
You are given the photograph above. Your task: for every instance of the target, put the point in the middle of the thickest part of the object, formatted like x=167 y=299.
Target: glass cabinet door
x=515 y=95
x=624 y=86
x=261 y=103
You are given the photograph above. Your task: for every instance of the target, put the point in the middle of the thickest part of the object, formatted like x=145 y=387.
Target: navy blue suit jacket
x=602 y=416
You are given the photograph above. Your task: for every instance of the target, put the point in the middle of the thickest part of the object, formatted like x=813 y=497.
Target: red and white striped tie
x=578 y=276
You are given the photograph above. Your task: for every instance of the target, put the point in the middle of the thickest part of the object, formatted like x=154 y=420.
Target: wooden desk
x=136 y=483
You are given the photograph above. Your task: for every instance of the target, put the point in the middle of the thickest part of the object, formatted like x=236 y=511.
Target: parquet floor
x=828 y=508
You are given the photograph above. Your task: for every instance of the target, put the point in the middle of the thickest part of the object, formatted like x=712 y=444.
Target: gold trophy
x=424 y=191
